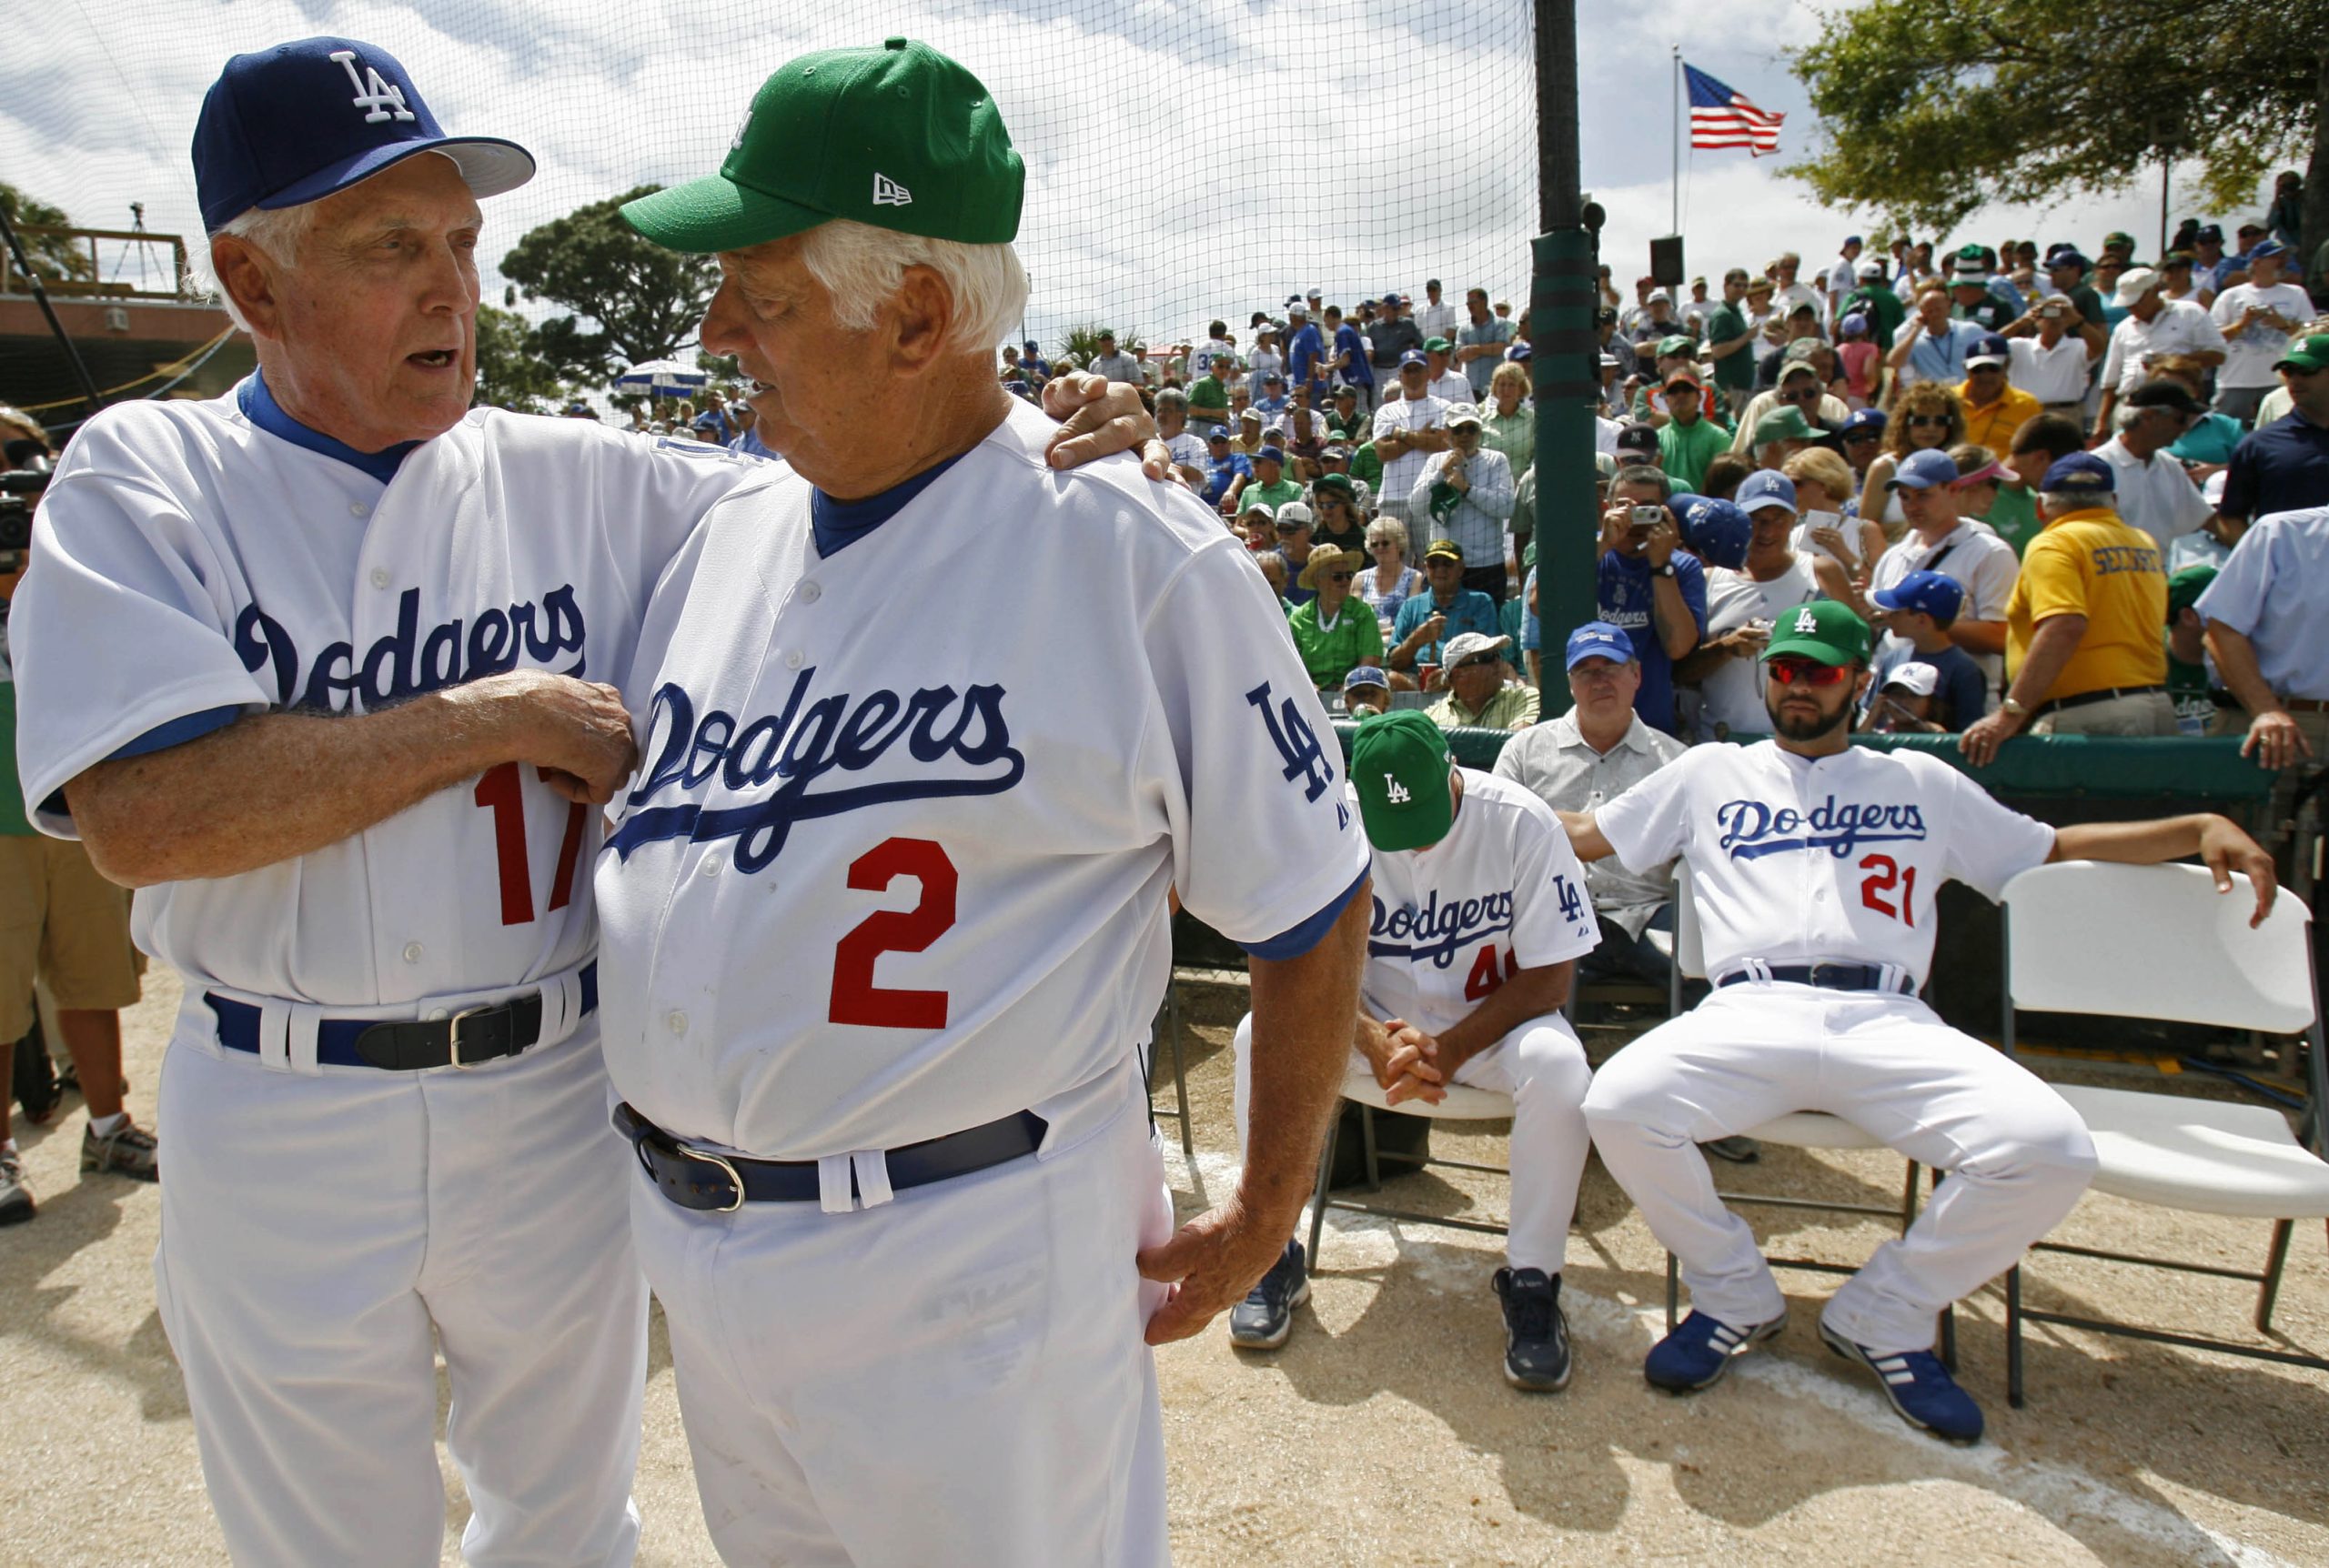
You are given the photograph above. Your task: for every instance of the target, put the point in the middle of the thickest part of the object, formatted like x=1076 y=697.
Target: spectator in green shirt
x=1270 y=486
x=1729 y=342
x=1334 y=632
x=1689 y=440
x=1508 y=423
x=1209 y=397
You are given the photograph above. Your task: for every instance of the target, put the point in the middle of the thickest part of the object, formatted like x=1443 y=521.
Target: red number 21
x=501 y=792
x=1884 y=872
x=855 y=998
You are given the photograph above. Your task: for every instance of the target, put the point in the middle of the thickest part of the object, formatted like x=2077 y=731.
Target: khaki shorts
x=2143 y=713
x=62 y=923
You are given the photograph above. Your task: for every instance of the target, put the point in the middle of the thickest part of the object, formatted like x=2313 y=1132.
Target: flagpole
x=1674 y=136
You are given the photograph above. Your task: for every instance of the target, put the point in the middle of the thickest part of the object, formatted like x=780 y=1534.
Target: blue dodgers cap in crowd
x=2263 y=249
x=293 y=124
x=1923 y=470
x=1863 y=419
x=1028 y=346
x=1274 y=453
x=1991 y=349
x=2064 y=255
x=1936 y=594
x=1765 y=488
x=1414 y=357
x=1366 y=674
x=1716 y=531
x=1519 y=353
x=1598 y=640
x=2079 y=474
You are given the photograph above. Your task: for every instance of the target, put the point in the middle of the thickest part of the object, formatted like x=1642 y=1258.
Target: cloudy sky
x=1186 y=157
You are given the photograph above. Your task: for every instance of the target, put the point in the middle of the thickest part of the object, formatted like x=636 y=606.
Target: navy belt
x=473 y=1035
x=1827 y=977
x=701 y=1179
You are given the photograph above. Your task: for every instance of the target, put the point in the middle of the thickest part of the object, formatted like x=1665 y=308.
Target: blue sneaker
x=1697 y=1354
x=1263 y=1320
x=1919 y=1386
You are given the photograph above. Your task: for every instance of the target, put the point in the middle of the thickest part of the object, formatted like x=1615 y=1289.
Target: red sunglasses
x=1788 y=671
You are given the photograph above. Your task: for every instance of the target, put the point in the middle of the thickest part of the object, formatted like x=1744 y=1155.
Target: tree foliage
x=57 y=258
x=631 y=299
x=1082 y=346
x=1933 y=107
x=509 y=374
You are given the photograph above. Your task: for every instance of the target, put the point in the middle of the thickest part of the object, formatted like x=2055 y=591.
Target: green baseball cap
x=2186 y=587
x=1435 y=346
x=1786 y=424
x=901 y=137
x=1824 y=631
x=1673 y=345
x=1398 y=765
x=2308 y=354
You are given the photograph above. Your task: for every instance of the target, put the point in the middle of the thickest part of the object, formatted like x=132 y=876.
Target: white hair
x=861 y=266
x=2054 y=503
x=275 y=233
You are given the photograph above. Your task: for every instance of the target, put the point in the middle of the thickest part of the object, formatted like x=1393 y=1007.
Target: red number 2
x=1884 y=872
x=855 y=998
x=501 y=792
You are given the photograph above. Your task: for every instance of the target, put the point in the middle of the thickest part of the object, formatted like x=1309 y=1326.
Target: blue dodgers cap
x=1716 y=531
x=2079 y=474
x=1863 y=419
x=1936 y=594
x=2263 y=249
x=1991 y=349
x=1414 y=357
x=1366 y=674
x=2064 y=255
x=1923 y=470
x=1765 y=488
x=1519 y=353
x=1598 y=640
x=1028 y=346
x=293 y=124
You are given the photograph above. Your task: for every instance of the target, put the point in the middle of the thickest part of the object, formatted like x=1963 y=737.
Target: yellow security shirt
x=2090 y=563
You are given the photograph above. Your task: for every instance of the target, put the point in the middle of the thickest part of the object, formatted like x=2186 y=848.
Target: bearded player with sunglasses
x=1815 y=866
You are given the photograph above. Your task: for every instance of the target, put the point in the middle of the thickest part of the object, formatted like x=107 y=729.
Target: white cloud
x=1188 y=158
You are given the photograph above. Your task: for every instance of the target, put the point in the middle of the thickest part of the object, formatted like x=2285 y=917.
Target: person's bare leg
x=93 y=1036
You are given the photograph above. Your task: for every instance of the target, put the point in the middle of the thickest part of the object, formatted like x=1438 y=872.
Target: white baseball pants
x=1541 y=1066
x=2017 y=1156
x=319 y=1230
x=954 y=1375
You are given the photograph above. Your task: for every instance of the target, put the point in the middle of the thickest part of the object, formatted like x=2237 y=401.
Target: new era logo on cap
x=888 y=192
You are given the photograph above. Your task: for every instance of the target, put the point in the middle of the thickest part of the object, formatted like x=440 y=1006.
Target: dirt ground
x=1381 y=1433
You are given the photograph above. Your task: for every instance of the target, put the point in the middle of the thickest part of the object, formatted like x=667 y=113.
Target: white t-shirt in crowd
x=2056 y=374
x=1731 y=695
x=2249 y=355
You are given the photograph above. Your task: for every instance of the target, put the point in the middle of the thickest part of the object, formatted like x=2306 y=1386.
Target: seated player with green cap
x=1815 y=865
x=885 y=914
x=1479 y=916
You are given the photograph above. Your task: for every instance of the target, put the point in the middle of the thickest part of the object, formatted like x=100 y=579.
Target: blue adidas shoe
x=1697 y=1354
x=1919 y=1386
x=1266 y=1317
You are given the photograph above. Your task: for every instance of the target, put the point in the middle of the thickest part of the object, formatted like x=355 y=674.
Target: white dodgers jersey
x=1502 y=892
x=1809 y=859
x=187 y=560
x=896 y=860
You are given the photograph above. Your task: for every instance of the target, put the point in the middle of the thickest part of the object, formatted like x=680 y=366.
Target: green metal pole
x=1565 y=357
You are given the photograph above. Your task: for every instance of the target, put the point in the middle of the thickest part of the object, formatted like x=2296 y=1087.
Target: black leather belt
x=473 y=1035
x=717 y=1183
x=2084 y=698
x=1827 y=977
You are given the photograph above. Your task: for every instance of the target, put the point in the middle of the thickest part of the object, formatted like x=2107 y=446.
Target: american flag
x=1720 y=117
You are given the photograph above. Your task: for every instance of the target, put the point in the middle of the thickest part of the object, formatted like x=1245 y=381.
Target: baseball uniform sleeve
x=1650 y=822
x=1248 y=768
x=1552 y=916
x=1988 y=845
x=114 y=633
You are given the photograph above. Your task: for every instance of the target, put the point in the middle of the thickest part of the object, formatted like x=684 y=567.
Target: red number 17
x=501 y=792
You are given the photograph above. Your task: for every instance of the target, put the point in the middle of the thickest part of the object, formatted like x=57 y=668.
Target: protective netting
x=1189 y=160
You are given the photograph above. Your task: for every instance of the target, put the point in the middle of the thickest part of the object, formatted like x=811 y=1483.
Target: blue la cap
x=1715 y=531
x=2081 y=473
x=1414 y=357
x=1764 y=488
x=1923 y=470
x=1366 y=674
x=2066 y=256
x=1992 y=347
x=293 y=124
x=1519 y=353
x=1028 y=346
x=1863 y=419
x=1936 y=594
x=1274 y=453
x=2265 y=247
x=1598 y=640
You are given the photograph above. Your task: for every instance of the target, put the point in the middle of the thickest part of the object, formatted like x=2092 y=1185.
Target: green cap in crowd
x=1398 y=765
x=2306 y=353
x=2186 y=587
x=1823 y=630
x=899 y=137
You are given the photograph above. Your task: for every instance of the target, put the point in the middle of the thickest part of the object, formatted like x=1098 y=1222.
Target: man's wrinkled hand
x=1100 y=417
x=1207 y=1265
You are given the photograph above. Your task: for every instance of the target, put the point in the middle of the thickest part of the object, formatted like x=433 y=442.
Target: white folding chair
x=1796 y=1130
x=2160 y=943
x=1463 y=1104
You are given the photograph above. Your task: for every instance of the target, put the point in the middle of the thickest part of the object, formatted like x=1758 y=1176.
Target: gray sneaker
x=129 y=1148
x=15 y=1198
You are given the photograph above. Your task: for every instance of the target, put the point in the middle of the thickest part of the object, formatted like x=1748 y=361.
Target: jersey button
x=358 y=510
x=379 y=577
x=710 y=866
x=792 y=659
x=412 y=952
x=810 y=593
x=677 y=1021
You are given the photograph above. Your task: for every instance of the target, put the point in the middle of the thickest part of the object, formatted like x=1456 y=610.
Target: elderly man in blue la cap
x=2084 y=649
x=316 y=666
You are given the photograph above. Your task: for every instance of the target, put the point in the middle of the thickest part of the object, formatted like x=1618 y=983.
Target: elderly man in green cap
x=885 y=920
